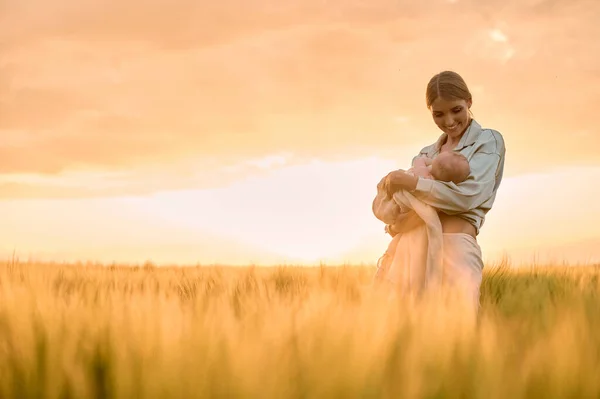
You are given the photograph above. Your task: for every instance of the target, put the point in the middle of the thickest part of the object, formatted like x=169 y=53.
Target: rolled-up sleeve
x=486 y=168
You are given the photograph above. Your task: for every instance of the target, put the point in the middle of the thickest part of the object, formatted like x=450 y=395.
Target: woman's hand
x=399 y=179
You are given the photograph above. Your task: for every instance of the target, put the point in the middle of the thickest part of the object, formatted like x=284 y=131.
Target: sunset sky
x=255 y=131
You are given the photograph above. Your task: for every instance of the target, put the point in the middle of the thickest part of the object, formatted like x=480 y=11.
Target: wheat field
x=69 y=331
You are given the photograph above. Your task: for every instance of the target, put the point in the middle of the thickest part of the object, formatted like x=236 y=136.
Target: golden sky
x=256 y=130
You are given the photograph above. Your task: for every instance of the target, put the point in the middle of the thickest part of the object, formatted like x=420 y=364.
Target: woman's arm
x=487 y=165
x=456 y=198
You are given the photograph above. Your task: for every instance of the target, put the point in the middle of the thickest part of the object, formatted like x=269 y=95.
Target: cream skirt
x=462 y=266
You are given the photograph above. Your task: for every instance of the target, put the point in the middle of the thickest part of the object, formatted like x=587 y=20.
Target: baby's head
x=450 y=166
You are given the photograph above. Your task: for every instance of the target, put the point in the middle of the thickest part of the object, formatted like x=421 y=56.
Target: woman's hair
x=448 y=85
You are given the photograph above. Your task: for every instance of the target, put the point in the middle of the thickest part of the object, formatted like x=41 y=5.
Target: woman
x=461 y=207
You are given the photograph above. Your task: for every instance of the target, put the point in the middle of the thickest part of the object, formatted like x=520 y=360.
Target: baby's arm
x=421 y=162
x=422 y=167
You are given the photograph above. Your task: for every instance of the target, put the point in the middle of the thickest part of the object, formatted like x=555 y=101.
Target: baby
x=447 y=167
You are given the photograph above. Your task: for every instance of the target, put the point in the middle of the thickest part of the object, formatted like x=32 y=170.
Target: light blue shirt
x=474 y=197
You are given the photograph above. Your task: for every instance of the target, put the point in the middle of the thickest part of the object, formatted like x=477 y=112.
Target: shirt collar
x=466 y=140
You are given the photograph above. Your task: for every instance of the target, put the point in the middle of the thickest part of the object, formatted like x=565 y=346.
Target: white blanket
x=413 y=259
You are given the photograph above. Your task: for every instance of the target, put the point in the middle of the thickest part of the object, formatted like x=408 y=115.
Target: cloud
x=183 y=23
x=110 y=85
x=142 y=180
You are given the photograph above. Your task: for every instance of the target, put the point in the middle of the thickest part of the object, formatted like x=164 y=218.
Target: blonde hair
x=447 y=85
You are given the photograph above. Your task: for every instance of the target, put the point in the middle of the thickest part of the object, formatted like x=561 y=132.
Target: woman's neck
x=452 y=142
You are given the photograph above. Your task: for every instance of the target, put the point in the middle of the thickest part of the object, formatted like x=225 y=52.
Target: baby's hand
x=422 y=162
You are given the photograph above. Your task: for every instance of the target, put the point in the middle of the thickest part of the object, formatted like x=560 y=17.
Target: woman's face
x=451 y=116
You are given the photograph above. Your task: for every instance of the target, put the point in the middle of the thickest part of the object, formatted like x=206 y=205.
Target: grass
x=291 y=332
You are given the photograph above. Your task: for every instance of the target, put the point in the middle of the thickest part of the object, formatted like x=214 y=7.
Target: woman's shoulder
x=491 y=140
